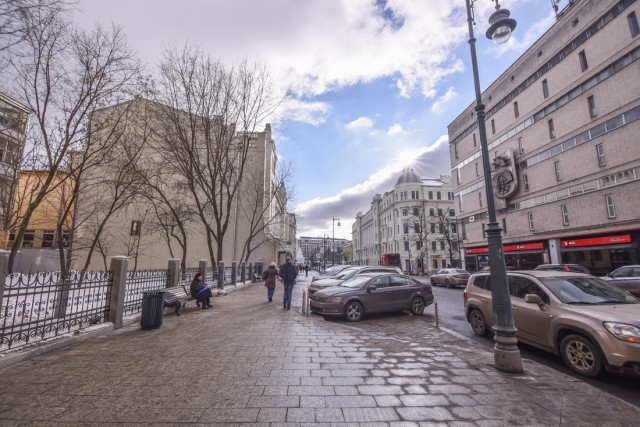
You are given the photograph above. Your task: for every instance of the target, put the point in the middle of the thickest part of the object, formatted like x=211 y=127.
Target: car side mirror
x=535 y=299
x=371 y=288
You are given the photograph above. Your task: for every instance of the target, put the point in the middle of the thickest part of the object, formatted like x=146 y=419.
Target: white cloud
x=313 y=113
x=396 y=129
x=359 y=123
x=437 y=106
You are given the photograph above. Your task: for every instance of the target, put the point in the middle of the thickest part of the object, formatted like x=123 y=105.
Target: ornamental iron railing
x=139 y=281
x=44 y=305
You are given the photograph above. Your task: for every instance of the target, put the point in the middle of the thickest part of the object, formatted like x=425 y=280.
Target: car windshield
x=355 y=281
x=333 y=270
x=347 y=273
x=586 y=290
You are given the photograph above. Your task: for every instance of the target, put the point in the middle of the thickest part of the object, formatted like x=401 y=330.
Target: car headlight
x=332 y=299
x=623 y=332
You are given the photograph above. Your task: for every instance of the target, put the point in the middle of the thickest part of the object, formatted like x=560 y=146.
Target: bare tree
x=262 y=203
x=65 y=75
x=206 y=102
x=448 y=234
x=420 y=222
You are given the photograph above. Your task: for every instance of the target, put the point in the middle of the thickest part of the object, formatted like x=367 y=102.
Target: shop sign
x=596 y=241
x=508 y=248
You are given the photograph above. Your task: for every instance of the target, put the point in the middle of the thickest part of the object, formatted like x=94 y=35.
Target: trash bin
x=152 y=309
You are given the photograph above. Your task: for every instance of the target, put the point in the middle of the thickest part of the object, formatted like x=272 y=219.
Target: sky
x=373 y=84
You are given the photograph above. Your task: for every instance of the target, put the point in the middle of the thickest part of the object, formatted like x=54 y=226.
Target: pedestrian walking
x=288 y=273
x=306 y=270
x=269 y=276
x=200 y=291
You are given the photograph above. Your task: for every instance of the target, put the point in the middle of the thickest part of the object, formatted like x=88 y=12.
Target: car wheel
x=580 y=355
x=417 y=306
x=433 y=282
x=447 y=283
x=353 y=311
x=478 y=324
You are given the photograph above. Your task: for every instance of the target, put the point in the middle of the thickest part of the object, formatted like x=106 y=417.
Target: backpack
x=290 y=273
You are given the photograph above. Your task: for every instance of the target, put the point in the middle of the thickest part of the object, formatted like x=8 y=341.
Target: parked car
x=348 y=273
x=582 y=318
x=330 y=272
x=563 y=267
x=372 y=293
x=626 y=278
x=450 y=277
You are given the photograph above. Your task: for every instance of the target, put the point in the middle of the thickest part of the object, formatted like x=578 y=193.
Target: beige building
x=146 y=228
x=320 y=252
x=415 y=218
x=563 y=125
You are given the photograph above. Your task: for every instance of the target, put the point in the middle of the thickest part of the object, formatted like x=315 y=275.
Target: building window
x=592 y=106
x=602 y=161
x=440 y=228
x=442 y=246
x=438 y=195
x=611 y=209
x=415 y=195
x=556 y=166
x=416 y=212
x=433 y=228
x=545 y=88
x=431 y=212
x=418 y=247
x=433 y=246
x=135 y=228
x=405 y=228
x=493 y=126
x=431 y=195
x=633 y=24
x=583 y=60
x=480 y=199
x=455 y=149
x=416 y=227
x=47 y=238
x=406 y=246
x=477 y=170
x=405 y=212
x=439 y=212
x=27 y=238
x=520 y=145
x=516 y=112
x=450 y=195
x=525 y=180
x=504 y=225
x=565 y=214
x=452 y=212
x=474 y=140
x=552 y=130
x=530 y=217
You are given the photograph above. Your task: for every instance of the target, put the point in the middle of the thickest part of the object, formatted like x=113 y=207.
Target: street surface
x=451 y=316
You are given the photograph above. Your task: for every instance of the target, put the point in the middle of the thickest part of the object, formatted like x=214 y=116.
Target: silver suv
x=582 y=318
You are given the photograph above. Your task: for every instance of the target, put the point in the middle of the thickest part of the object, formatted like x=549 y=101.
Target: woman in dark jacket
x=200 y=291
x=269 y=276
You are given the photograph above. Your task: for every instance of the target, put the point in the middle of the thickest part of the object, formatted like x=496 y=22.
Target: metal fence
x=139 y=281
x=44 y=305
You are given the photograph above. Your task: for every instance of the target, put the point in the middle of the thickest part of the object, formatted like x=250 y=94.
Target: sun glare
x=406 y=157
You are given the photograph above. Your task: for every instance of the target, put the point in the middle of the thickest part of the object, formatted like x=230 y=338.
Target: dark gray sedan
x=372 y=293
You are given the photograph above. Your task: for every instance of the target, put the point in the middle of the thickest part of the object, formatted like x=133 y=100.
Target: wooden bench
x=182 y=295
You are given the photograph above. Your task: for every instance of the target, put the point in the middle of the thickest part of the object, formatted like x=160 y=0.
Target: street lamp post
x=506 y=352
x=333 y=237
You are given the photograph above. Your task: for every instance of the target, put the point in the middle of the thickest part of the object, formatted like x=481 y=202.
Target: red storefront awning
x=596 y=241
x=507 y=248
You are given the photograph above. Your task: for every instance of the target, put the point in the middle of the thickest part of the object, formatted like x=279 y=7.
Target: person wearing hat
x=288 y=273
x=269 y=276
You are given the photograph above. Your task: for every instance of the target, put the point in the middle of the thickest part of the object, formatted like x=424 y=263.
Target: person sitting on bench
x=200 y=291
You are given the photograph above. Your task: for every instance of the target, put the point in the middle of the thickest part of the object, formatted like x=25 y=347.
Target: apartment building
x=414 y=220
x=159 y=203
x=562 y=127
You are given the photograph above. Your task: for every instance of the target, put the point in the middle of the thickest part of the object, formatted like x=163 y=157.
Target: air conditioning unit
x=472 y=218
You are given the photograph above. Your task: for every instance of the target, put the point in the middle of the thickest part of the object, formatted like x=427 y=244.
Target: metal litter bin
x=152 y=309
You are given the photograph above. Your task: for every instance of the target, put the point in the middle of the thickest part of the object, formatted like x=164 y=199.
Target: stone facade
x=569 y=111
x=406 y=220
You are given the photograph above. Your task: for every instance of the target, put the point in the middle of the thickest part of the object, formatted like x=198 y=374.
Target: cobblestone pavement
x=249 y=362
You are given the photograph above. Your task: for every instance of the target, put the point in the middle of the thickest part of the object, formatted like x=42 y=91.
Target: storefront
x=600 y=253
x=521 y=256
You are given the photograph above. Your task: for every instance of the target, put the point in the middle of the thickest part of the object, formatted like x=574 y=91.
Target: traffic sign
x=422 y=254
x=423 y=249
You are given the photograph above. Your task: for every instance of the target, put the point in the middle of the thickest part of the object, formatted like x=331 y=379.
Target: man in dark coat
x=288 y=273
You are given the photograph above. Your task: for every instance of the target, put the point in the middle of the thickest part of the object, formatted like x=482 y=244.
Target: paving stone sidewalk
x=249 y=362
